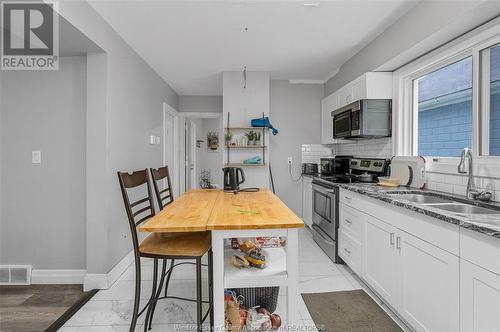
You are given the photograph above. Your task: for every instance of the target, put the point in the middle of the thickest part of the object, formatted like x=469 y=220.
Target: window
x=491 y=102
x=449 y=99
x=443 y=100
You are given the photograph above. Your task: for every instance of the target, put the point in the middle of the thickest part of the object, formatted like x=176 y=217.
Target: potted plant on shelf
x=250 y=137
x=257 y=139
x=228 y=137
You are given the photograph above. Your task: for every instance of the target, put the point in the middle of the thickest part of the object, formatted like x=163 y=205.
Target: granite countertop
x=488 y=224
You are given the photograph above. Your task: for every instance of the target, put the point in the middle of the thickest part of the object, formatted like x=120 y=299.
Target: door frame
x=174 y=168
x=183 y=116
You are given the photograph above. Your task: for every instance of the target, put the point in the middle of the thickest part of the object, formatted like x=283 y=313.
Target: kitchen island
x=242 y=215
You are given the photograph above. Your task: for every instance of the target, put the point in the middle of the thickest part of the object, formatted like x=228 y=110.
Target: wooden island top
x=202 y=210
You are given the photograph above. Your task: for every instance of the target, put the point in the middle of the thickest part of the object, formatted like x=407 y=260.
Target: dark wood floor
x=36 y=307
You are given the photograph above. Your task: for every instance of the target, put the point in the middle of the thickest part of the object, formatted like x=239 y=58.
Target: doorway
x=202 y=150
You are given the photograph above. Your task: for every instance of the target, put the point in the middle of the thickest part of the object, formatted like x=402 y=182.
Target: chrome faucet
x=471 y=192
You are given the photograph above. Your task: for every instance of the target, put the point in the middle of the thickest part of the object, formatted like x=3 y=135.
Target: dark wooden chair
x=164 y=246
x=164 y=196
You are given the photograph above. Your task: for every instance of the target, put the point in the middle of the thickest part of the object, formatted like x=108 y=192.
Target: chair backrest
x=140 y=210
x=165 y=196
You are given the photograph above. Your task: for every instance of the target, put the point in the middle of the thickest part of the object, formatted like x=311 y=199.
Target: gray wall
x=200 y=104
x=295 y=111
x=127 y=99
x=43 y=205
x=207 y=158
x=428 y=25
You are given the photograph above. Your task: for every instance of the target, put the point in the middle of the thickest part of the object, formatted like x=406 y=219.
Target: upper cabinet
x=371 y=85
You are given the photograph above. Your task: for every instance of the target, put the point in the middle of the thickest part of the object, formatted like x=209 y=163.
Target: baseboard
x=106 y=280
x=58 y=276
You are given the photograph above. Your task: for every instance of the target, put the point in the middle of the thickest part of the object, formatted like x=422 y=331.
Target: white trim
x=332 y=74
x=202 y=115
x=42 y=276
x=306 y=81
x=106 y=280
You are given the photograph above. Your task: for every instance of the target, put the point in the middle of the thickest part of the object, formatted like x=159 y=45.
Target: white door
x=429 y=285
x=171 y=145
x=380 y=259
x=480 y=299
x=191 y=182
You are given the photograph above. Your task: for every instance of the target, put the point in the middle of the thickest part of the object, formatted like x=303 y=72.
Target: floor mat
x=39 y=307
x=349 y=311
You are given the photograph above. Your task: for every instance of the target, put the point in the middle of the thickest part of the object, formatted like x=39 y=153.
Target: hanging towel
x=264 y=122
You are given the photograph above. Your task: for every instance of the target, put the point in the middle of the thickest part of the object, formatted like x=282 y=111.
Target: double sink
x=439 y=202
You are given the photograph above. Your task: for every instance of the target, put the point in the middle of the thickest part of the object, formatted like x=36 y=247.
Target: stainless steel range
x=325 y=198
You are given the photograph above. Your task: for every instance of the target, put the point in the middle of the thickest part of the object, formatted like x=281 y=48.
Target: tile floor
x=110 y=310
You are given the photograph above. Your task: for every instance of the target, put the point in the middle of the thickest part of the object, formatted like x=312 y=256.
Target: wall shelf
x=246 y=146
x=244 y=165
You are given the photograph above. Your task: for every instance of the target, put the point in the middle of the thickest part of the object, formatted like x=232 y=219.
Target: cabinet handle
x=392 y=239
x=398 y=242
x=347 y=251
x=348 y=198
x=348 y=221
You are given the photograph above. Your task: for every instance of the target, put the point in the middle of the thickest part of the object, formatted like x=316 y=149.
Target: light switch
x=152 y=140
x=36 y=157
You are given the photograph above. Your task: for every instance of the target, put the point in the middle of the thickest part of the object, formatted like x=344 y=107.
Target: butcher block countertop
x=202 y=210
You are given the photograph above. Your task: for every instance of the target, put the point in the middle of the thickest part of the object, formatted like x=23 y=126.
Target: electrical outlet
x=289 y=160
x=36 y=157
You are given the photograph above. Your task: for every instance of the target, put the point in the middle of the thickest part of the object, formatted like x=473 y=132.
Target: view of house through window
x=445 y=110
x=494 y=135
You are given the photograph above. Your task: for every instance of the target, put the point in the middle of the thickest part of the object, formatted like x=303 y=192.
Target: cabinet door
x=307 y=202
x=328 y=105
x=480 y=299
x=429 y=285
x=379 y=256
x=359 y=88
x=344 y=95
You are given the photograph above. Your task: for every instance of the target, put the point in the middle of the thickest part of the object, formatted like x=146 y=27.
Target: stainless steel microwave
x=366 y=118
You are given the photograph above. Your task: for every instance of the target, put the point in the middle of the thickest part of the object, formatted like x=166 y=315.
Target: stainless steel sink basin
x=464 y=208
x=421 y=198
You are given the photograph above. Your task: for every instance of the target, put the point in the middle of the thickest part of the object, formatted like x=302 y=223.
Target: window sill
x=483 y=166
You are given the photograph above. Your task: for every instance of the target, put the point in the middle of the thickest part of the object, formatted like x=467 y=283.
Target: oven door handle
x=319 y=231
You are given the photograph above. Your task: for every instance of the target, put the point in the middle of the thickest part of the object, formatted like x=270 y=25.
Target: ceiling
x=190 y=43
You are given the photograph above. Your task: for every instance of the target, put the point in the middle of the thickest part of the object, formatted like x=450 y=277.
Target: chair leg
x=158 y=292
x=137 y=297
x=211 y=288
x=153 y=293
x=199 y=299
x=172 y=262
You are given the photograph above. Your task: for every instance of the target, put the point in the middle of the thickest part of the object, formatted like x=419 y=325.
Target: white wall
x=125 y=115
x=295 y=111
x=200 y=104
x=245 y=104
x=43 y=205
x=428 y=25
x=205 y=157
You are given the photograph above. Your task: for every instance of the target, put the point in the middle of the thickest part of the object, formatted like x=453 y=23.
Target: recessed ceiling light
x=311 y=4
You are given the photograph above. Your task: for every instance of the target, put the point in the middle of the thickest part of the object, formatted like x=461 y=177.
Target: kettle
x=233 y=177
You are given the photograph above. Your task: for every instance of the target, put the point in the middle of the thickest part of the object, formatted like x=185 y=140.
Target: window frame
x=405 y=117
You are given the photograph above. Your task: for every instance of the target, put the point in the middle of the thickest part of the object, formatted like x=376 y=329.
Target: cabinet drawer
x=480 y=249
x=349 y=198
x=350 y=251
x=351 y=220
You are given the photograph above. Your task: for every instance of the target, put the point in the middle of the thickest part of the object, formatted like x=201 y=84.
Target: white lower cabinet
x=428 y=285
x=380 y=271
x=479 y=299
x=307 y=200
